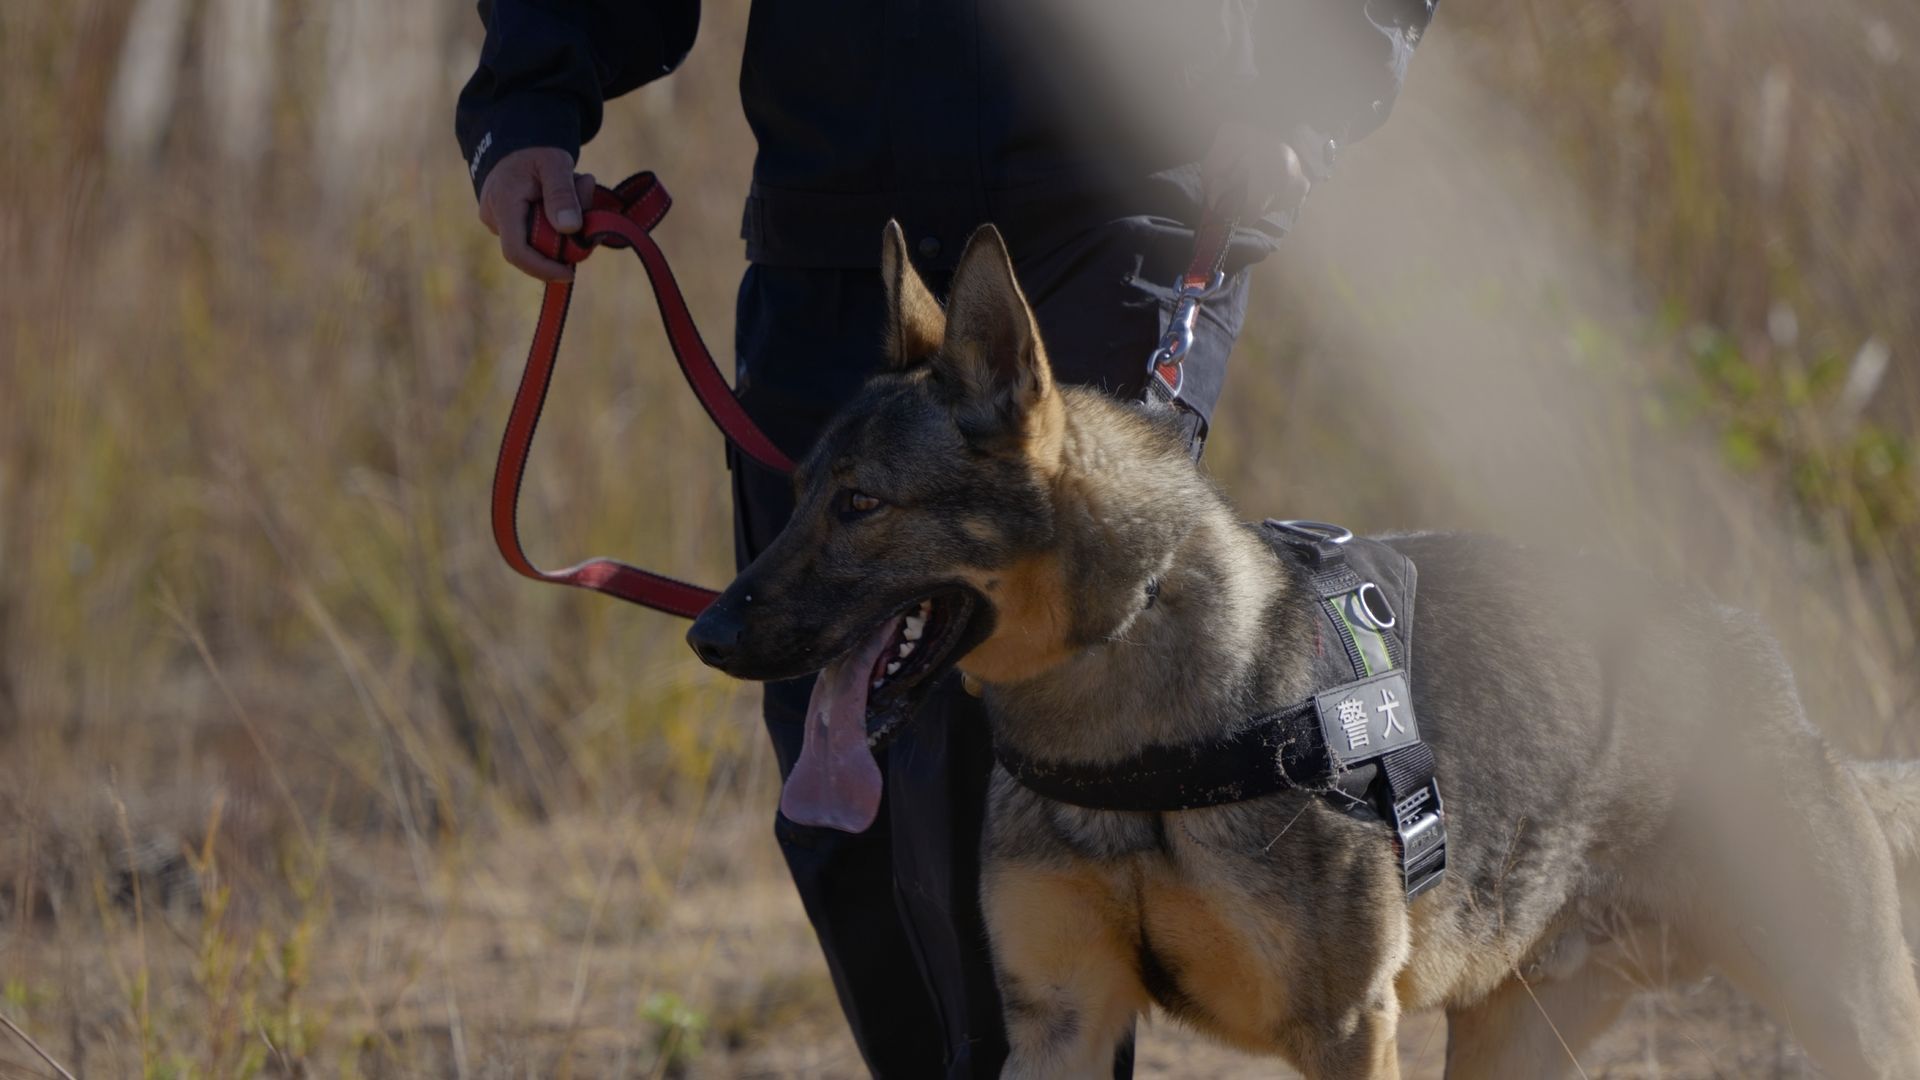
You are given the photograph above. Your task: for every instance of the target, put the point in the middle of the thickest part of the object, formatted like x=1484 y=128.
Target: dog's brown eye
x=857 y=503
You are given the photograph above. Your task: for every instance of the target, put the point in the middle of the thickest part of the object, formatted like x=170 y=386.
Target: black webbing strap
x=1418 y=815
x=1281 y=752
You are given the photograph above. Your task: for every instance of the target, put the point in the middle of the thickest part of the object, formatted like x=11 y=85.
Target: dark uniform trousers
x=897 y=908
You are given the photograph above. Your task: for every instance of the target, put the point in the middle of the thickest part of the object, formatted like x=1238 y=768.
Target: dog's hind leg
x=1794 y=899
x=1068 y=987
x=1537 y=1023
x=1538 y=1027
x=1835 y=972
x=1772 y=866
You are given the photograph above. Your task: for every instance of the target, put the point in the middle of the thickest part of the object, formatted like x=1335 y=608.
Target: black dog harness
x=1355 y=741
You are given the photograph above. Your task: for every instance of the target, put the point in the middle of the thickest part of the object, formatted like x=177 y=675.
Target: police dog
x=1633 y=792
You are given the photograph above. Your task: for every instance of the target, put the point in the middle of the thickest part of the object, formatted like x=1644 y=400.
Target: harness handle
x=620 y=217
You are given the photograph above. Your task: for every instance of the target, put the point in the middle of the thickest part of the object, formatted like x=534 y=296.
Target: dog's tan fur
x=1622 y=763
x=1033 y=630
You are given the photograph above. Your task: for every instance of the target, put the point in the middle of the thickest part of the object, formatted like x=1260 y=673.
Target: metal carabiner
x=1165 y=364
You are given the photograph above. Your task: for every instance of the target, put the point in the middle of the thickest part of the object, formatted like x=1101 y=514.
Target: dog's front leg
x=1367 y=1049
x=1067 y=986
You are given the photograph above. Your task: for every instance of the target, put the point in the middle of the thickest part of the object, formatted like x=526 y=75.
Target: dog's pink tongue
x=836 y=782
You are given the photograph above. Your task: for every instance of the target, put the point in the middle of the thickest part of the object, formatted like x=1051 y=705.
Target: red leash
x=622 y=217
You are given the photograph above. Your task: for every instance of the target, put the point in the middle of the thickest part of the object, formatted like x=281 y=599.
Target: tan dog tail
x=1892 y=789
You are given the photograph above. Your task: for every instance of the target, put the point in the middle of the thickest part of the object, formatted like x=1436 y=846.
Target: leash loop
x=622 y=217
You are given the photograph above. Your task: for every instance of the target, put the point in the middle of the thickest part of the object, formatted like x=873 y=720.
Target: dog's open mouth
x=863 y=697
x=920 y=644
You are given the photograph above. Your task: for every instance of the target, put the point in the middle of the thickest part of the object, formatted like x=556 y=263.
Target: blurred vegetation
x=1755 y=162
x=293 y=771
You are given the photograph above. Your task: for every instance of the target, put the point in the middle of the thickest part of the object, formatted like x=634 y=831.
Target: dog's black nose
x=715 y=636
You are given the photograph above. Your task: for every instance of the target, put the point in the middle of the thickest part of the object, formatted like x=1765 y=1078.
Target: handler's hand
x=537 y=174
x=1245 y=159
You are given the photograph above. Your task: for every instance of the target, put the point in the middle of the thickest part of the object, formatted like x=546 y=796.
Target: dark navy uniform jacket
x=1046 y=117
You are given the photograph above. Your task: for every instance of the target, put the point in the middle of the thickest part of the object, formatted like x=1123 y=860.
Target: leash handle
x=620 y=217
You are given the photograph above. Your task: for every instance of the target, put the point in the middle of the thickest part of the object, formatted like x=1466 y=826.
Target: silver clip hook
x=1178 y=340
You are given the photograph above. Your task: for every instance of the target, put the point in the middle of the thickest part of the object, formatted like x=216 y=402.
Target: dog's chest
x=1209 y=957
x=1222 y=927
x=1254 y=922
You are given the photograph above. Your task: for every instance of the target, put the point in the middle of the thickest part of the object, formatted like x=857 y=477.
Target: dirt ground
x=565 y=948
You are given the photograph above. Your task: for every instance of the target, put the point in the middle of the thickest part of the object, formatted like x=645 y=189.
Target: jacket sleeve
x=1332 y=66
x=547 y=66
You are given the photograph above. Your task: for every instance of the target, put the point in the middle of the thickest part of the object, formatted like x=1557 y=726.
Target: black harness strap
x=1282 y=752
x=1363 y=729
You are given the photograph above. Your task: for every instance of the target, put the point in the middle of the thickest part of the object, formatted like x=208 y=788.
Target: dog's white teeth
x=892 y=669
x=876 y=684
x=915 y=627
x=906 y=649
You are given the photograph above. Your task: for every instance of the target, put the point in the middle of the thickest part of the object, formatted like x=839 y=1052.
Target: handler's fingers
x=583 y=190
x=557 y=193
x=1249 y=172
x=514 y=246
x=1286 y=181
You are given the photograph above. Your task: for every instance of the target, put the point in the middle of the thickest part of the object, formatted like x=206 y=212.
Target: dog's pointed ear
x=915 y=323
x=992 y=353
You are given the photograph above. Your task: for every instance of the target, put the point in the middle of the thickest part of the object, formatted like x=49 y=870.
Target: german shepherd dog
x=1632 y=789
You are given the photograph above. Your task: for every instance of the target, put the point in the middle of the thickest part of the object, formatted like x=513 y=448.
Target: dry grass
x=295 y=778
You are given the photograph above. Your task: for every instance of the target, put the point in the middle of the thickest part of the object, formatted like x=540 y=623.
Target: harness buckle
x=1420 y=835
